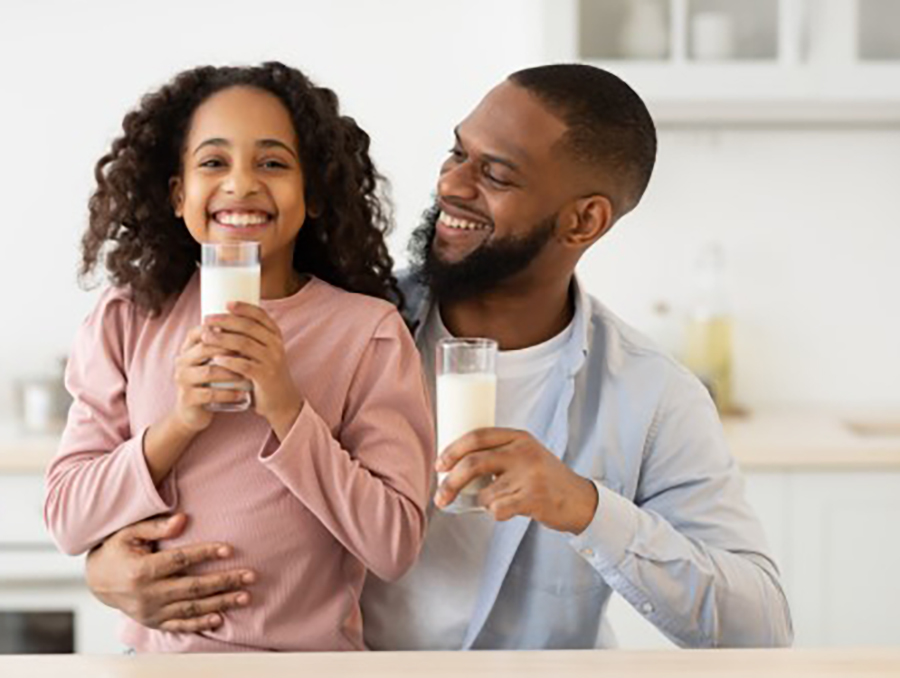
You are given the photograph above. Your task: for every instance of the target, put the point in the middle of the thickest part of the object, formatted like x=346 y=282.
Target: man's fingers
x=199 y=611
x=500 y=487
x=476 y=441
x=174 y=561
x=154 y=529
x=472 y=466
x=505 y=507
x=185 y=589
x=205 y=623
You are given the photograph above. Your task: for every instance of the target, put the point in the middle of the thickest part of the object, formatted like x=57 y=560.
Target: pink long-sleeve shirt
x=344 y=493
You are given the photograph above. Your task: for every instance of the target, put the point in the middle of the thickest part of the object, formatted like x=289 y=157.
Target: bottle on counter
x=707 y=350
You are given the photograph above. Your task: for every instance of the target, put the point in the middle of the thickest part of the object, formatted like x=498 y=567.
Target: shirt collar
x=419 y=302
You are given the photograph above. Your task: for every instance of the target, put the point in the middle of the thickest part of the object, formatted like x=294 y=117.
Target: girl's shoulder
x=354 y=312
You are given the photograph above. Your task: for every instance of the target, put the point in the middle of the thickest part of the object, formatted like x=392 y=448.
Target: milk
x=465 y=402
x=218 y=286
x=221 y=284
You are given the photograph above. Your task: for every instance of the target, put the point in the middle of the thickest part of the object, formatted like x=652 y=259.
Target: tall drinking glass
x=466 y=401
x=229 y=271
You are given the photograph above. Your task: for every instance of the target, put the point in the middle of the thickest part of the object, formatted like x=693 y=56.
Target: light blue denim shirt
x=672 y=534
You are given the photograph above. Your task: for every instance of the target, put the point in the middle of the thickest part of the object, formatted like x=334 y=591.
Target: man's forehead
x=512 y=121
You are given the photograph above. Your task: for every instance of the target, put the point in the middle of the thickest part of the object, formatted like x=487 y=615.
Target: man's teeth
x=238 y=219
x=461 y=224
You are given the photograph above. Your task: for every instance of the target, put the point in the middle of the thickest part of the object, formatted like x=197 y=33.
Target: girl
x=328 y=476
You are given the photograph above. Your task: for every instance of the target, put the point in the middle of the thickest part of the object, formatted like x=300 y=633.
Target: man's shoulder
x=627 y=353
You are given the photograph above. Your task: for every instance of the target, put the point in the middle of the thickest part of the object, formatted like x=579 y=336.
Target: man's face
x=497 y=196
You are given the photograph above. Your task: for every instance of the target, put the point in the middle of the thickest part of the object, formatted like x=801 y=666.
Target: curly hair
x=147 y=249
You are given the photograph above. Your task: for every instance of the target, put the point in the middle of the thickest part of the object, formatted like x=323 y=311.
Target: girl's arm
x=99 y=481
x=369 y=485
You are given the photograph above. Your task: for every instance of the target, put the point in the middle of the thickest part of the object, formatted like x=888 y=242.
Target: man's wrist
x=584 y=506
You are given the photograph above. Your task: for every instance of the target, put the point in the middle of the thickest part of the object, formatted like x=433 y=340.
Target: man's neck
x=516 y=317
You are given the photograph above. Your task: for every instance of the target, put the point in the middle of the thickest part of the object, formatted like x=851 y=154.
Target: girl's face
x=241 y=175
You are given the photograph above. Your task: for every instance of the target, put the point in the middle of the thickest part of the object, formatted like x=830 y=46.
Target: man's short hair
x=609 y=126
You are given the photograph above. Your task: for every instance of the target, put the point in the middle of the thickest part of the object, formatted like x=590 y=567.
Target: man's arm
x=688 y=552
x=154 y=589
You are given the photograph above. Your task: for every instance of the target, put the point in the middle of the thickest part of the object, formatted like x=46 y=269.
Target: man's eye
x=497 y=181
x=457 y=154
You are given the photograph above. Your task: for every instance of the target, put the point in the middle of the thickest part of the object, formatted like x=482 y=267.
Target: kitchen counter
x=802 y=441
x=814 y=441
x=871 y=663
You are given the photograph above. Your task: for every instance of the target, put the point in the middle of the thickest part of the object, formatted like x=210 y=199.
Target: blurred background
x=764 y=254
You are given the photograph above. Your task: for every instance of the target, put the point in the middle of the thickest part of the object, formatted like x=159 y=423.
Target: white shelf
x=815 y=76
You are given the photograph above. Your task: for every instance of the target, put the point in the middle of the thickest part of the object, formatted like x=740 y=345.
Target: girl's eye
x=274 y=164
x=212 y=163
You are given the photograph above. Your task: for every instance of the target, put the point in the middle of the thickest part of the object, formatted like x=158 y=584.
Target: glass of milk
x=466 y=400
x=229 y=271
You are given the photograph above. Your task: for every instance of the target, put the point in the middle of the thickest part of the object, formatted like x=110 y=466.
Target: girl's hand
x=255 y=350
x=193 y=373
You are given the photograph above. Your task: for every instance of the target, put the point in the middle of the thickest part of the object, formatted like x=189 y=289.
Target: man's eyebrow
x=490 y=157
x=262 y=143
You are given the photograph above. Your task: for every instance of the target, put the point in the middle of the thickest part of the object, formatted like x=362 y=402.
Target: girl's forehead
x=242 y=114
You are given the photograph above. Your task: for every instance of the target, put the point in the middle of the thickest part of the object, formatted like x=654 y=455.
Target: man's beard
x=480 y=271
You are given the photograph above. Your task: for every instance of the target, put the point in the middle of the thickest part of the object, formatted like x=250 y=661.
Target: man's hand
x=154 y=589
x=528 y=479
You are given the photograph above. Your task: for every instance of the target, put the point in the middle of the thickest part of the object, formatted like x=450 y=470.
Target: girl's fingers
x=255 y=313
x=230 y=324
x=204 y=395
x=236 y=364
x=193 y=337
x=235 y=343
x=205 y=374
x=198 y=354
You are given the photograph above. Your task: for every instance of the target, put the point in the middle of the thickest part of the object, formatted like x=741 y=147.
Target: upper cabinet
x=708 y=61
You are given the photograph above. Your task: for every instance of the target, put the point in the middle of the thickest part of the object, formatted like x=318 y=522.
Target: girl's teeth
x=461 y=224
x=242 y=219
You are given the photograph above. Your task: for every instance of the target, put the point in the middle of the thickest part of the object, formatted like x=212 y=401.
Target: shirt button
x=647 y=608
x=587 y=553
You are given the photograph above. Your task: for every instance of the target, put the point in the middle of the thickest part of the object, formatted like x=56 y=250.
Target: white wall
x=807 y=217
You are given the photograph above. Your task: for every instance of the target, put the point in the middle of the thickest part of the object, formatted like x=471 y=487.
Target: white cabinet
x=836 y=539
x=35 y=577
x=703 y=61
x=845 y=558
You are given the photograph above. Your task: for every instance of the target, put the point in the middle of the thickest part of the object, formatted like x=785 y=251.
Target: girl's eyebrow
x=262 y=143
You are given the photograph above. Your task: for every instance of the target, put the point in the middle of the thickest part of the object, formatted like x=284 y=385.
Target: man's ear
x=587 y=220
x=176 y=195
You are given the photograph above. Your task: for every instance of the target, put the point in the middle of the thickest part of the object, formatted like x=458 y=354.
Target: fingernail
x=223 y=552
x=439 y=465
x=243 y=599
x=248 y=577
x=214 y=620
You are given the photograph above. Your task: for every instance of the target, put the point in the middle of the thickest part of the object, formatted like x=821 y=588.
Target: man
x=609 y=464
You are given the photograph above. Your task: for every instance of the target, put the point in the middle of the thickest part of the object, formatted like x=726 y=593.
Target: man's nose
x=458 y=181
x=241 y=181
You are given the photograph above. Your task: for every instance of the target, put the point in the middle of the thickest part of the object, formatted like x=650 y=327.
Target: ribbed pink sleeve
x=372 y=500
x=99 y=482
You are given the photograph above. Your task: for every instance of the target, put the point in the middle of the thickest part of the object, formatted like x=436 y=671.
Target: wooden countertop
x=777 y=441
x=814 y=441
x=870 y=663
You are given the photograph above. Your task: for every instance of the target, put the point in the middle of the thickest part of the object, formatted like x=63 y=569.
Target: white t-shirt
x=430 y=607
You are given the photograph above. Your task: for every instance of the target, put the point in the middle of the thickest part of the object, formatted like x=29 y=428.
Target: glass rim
x=237 y=244
x=467 y=342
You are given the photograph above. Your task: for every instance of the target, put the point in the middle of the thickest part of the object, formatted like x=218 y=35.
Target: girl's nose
x=457 y=181
x=241 y=182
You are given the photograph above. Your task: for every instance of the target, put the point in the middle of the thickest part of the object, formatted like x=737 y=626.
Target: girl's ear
x=176 y=195
x=313 y=206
